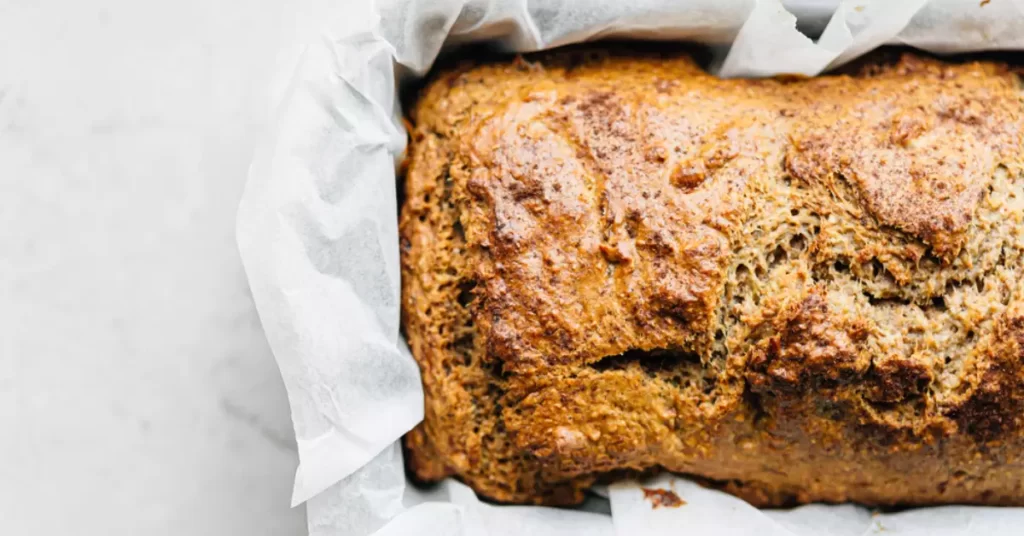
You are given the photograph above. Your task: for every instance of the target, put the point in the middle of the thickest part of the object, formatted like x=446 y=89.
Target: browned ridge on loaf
x=799 y=290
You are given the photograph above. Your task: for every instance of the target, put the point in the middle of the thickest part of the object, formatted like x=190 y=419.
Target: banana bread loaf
x=794 y=289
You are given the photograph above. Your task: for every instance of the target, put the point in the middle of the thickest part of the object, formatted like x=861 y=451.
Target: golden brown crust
x=802 y=290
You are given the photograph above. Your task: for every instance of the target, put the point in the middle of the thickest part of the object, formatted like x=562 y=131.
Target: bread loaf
x=793 y=289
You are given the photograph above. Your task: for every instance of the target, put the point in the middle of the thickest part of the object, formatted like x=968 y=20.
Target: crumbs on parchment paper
x=662 y=497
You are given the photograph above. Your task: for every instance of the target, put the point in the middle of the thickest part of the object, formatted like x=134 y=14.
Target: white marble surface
x=137 y=393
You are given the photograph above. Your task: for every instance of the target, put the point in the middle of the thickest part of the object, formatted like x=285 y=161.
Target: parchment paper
x=318 y=236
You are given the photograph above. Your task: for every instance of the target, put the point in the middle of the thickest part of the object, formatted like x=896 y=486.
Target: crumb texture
x=796 y=290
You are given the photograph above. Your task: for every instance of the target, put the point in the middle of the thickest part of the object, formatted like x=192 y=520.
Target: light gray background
x=137 y=393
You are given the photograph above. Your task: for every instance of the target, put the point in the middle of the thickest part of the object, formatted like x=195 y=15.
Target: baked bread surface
x=797 y=290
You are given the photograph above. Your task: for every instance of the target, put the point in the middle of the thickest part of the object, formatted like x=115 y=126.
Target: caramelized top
x=608 y=204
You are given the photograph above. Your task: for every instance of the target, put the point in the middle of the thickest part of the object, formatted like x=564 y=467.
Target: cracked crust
x=797 y=290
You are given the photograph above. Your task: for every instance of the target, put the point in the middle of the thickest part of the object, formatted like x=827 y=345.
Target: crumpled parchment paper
x=317 y=231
